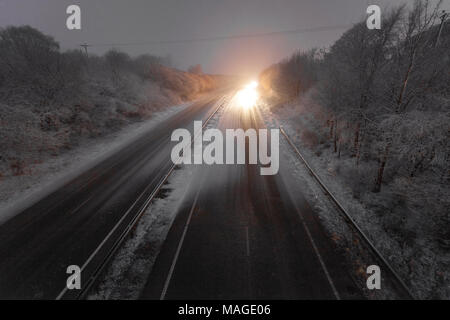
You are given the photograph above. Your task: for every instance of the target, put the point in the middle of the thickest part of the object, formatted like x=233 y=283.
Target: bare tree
x=414 y=42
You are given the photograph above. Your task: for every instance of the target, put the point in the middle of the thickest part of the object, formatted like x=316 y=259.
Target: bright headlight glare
x=248 y=96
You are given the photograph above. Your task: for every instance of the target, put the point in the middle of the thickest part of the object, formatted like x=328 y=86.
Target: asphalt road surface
x=64 y=228
x=241 y=235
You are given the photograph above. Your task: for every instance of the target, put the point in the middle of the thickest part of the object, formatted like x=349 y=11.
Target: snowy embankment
x=19 y=192
x=421 y=263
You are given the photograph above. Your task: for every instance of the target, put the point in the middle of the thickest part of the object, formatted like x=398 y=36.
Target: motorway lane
x=64 y=228
x=248 y=236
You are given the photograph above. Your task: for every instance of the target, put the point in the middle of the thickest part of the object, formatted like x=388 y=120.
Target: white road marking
x=248 y=242
x=174 y=262
x=316 y=250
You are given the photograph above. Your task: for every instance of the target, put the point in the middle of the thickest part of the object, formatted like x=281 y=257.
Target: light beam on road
x=248 y=96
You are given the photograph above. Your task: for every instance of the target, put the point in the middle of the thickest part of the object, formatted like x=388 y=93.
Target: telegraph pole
x=85 y=46
x=443 y=18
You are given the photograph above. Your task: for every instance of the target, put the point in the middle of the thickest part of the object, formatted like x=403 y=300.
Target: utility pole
x=443 y=18
x=85 y=46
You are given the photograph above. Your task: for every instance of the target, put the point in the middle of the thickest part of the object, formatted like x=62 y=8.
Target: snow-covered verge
x=19 y=191
x=127 y=274
x=407 y=241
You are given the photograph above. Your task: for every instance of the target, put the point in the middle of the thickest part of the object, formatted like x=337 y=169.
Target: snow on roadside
x=19 y=192
x=128 y=272
x=421 y=279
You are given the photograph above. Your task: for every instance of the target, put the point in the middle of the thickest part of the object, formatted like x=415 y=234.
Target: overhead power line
x=222 y=38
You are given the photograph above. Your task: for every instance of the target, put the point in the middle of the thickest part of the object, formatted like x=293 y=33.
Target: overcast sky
x=131 y=21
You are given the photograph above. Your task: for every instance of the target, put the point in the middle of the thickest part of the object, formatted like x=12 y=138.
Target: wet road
x=241 y=235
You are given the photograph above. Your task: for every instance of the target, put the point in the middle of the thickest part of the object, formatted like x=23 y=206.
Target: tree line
x=384 y=94
x=51 y=99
